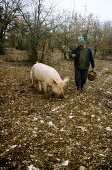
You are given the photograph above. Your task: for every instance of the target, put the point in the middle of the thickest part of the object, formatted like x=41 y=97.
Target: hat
x=91 y=75
x=81 y=42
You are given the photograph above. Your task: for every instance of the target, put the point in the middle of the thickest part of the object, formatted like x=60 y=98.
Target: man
x=83 y=58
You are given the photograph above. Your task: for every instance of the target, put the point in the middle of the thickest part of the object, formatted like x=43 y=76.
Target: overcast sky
x=100 y=8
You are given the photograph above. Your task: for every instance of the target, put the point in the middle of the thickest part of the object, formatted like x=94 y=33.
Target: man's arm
x=72 y=54
x=91 y=60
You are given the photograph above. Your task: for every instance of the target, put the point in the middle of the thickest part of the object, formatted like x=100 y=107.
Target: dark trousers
x=80 y=78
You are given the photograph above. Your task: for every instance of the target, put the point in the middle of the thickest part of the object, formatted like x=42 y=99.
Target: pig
x=48 y=76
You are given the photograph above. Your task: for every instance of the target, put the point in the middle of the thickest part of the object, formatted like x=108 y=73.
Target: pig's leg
x=40 y=86
x=32 y=80
x=45 y=87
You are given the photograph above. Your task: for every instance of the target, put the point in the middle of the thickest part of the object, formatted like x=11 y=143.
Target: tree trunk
x=1 y=49
x=1 y=42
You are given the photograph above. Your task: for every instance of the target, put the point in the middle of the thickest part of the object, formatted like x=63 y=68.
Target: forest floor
x=42 y=132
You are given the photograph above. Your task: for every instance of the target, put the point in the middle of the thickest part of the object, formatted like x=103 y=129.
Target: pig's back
x=45 y=72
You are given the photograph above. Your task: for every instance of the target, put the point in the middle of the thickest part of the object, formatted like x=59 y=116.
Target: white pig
x=48 y=76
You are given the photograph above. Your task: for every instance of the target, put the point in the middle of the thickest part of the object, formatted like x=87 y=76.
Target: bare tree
x=38 y=21
x=105 y=44
x=8 y=10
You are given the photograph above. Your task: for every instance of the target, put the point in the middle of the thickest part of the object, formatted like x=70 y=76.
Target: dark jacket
x=89 y=58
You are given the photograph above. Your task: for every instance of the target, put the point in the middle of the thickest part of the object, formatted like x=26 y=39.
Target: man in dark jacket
x=83 y=58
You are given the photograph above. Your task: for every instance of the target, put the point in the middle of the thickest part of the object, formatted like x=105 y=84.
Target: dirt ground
x=42 y=132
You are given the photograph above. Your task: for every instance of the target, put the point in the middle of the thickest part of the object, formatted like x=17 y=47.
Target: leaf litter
x=41 y=132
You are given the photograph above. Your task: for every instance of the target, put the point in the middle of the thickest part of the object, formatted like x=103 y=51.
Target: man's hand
x=73 y=55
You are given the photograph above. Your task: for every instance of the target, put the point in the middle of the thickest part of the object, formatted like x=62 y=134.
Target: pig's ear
x=66 y=79
x=54 y=81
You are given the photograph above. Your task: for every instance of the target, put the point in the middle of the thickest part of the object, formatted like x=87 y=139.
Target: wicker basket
x=91 y=75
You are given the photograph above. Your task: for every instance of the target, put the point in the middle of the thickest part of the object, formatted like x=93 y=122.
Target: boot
x=78 y=88
x=82 y=87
